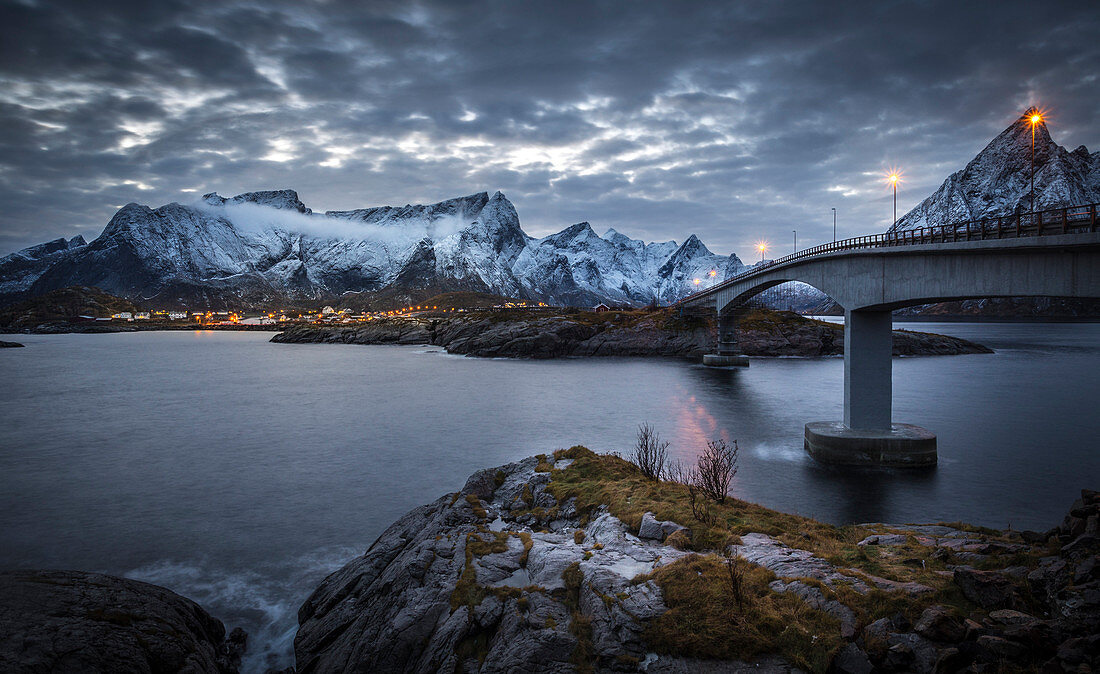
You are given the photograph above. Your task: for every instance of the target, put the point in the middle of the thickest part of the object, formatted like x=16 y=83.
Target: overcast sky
x=735 y=121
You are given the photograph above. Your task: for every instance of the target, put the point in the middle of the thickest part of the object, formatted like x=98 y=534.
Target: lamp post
x=1035 y=119
x=713 y=274
x=762 y=247
x=893 y=178
x=795 y=232
x=834 y=225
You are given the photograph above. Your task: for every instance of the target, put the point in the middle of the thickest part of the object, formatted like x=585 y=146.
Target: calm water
x=240 y=472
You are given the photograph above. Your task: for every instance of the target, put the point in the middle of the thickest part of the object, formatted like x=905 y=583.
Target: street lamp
x=762 y=246
x=894 y=178
x=712 y=274
x=834 y=225
x=1035 y=119
x=795 y=232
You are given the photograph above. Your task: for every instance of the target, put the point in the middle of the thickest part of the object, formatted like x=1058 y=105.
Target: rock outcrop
x=499 y=577
x=540 y=335
x=71 y=621
x=504 y=576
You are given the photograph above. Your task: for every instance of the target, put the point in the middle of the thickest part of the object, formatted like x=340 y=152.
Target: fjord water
x=239 y=472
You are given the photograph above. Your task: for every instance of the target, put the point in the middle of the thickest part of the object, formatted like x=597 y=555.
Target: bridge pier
x=867 y=436
x=728 y=350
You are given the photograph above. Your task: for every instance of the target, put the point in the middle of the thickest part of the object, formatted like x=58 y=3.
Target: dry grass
x=703 y=621
x=605 y=480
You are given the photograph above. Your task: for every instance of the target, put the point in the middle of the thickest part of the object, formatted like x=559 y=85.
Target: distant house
x=327 y=311
x=600 y=308
x=143 y=315
x=177 y=315
x=124 y=314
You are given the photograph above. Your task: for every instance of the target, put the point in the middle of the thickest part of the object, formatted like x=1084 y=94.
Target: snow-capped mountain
x=998 y=180
x=267 y=247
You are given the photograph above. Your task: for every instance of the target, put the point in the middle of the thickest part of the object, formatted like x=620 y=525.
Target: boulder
x=988 y=589
x=72 y=621
x=657 y=530
x=850 y=659
x=940 y=623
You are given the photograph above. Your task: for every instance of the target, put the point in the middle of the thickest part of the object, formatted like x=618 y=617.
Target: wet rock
x=71 y=621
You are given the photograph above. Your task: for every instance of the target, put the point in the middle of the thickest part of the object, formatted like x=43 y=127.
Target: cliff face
x=524 y=335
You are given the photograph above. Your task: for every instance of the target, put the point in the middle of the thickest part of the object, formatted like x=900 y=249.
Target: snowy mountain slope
x=998 y=180
x=22 y=268
x=263 y=247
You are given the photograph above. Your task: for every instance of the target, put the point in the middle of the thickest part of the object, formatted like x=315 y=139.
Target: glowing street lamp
x=762 y=246
x=697 y=281
x=1035 y=119
x=894 y=178
x=713 y=273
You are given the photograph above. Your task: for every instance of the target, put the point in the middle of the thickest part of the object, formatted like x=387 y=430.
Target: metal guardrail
x=1038 y=223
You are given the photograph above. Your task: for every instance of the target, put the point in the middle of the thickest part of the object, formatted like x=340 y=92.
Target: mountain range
x=266 y=248
x=261 y=249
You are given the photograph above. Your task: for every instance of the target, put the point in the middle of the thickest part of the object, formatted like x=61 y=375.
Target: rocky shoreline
x=663 y=333
x=576 y=562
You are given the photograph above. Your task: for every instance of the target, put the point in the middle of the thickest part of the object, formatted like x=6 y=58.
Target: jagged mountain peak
x=281 y=199
x=998 y=180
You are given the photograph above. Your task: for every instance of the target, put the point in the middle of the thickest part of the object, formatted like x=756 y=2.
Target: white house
x=124 y=314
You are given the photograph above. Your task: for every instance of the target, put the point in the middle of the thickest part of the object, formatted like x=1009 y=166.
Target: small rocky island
x=528 y=334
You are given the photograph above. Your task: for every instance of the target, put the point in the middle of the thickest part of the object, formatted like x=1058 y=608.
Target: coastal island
x=663 y=332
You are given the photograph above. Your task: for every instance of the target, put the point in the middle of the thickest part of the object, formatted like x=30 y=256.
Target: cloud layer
x=735 y=121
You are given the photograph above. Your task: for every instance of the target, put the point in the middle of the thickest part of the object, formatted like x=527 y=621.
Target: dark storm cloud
x=735 y=121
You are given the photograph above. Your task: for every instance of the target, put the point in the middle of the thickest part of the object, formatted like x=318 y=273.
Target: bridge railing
x=1037 y=223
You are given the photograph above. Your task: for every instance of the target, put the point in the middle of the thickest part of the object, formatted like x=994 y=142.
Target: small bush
x=650 y=452
x=716 y=468
x=578 y=536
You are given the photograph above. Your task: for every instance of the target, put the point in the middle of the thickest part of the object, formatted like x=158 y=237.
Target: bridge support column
x=728 y=351
x=868 y=345
x=867 y=436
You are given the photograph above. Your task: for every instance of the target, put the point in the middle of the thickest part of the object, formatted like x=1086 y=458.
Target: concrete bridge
x=1053 y=253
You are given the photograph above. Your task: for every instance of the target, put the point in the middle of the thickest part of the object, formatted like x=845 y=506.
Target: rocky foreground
x=520 y=334
x=71 y=621
x=575 y=562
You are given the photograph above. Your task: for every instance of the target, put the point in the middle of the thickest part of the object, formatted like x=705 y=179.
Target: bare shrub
x=735 y=579
x=716 y=468
x=650 y=452
x=700 y=509
x=678 y=472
